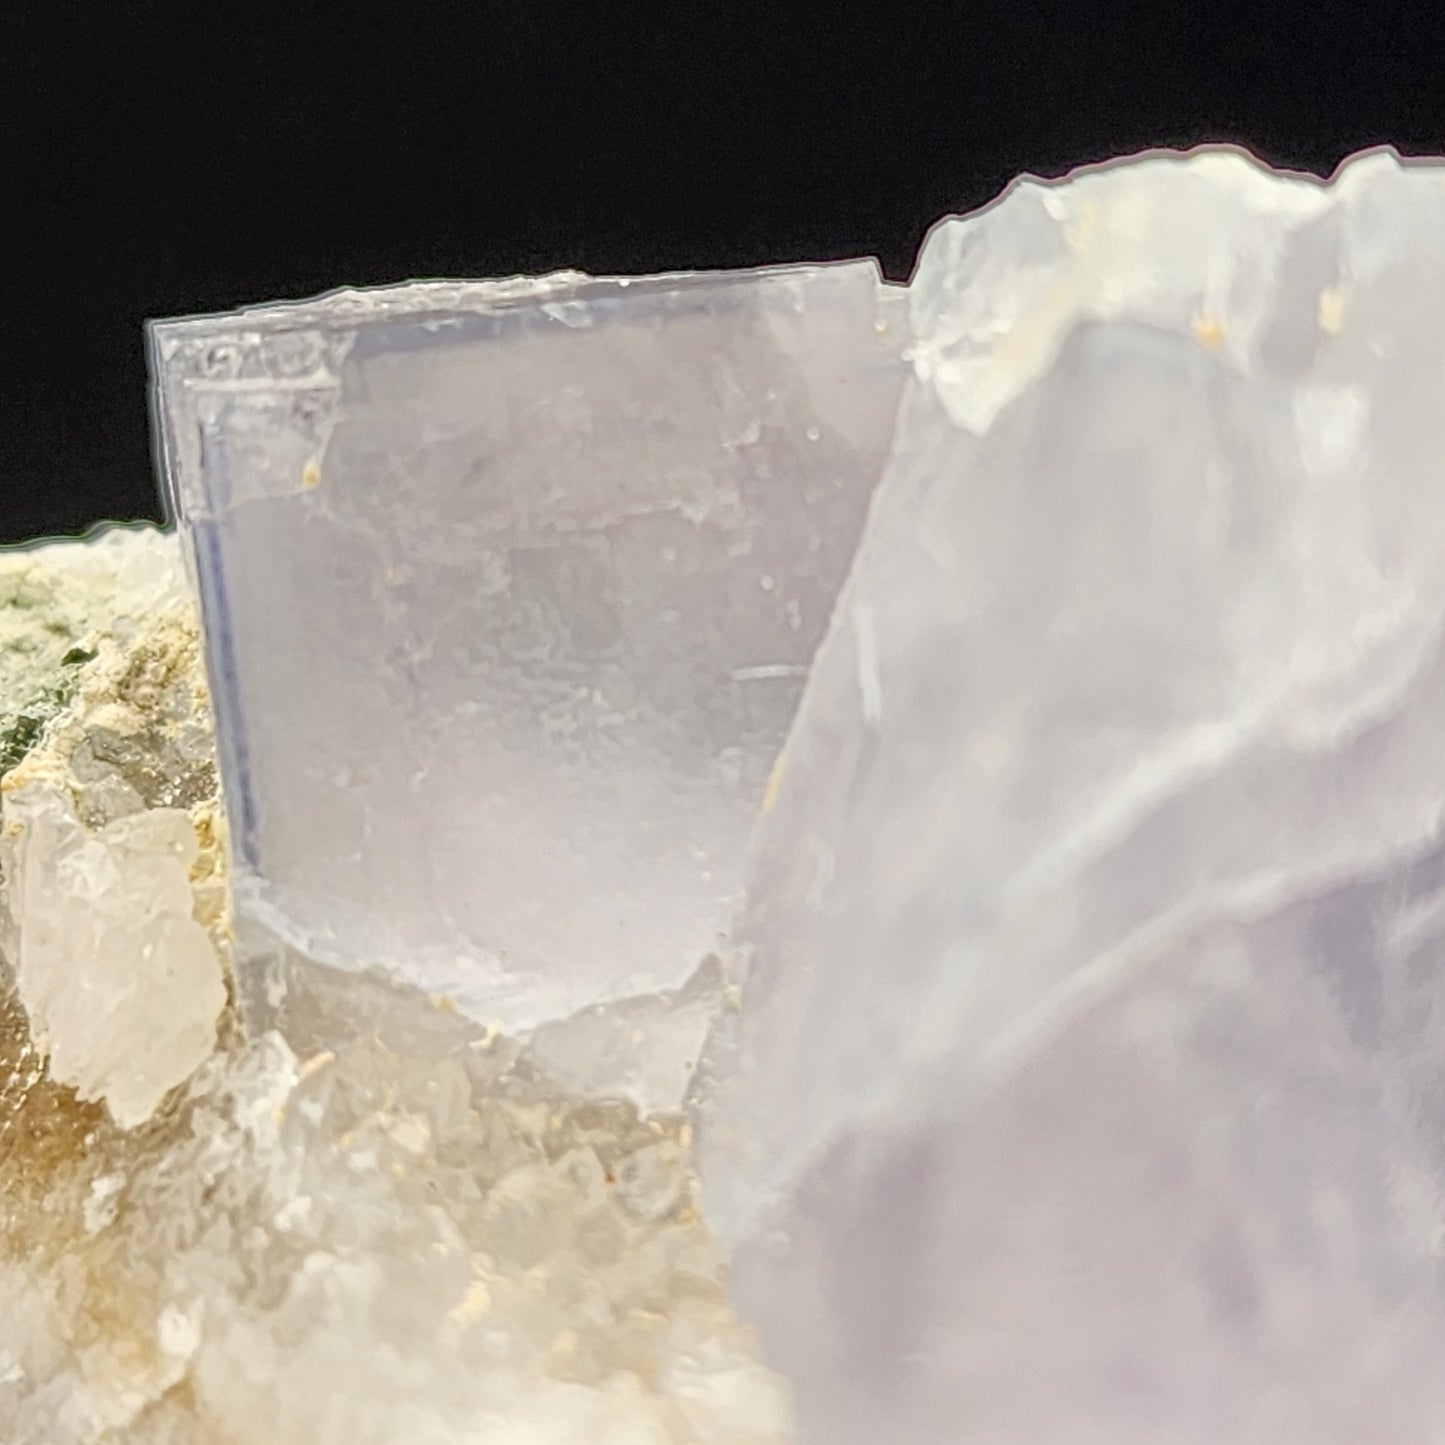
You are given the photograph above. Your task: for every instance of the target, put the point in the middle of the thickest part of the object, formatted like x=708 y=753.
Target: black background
x=163 y=158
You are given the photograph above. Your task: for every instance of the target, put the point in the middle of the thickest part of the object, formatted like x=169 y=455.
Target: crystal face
x=1086 y=1083
x=510 y=590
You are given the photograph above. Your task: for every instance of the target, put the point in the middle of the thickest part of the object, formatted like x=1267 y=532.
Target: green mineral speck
x=17 y=740
x=21 y=730
x=39 y=662
x=40 y=653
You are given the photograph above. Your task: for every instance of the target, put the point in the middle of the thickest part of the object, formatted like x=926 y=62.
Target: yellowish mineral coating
x=1207 y=332
x=775 y=782
x=357 y=1248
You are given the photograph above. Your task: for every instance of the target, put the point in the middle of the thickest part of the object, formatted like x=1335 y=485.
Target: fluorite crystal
x=1002 y=717
x=510 y=591
x=1087 y=1082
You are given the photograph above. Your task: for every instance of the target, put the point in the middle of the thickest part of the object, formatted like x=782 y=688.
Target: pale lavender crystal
x=509 y=590
x=1089 y=1081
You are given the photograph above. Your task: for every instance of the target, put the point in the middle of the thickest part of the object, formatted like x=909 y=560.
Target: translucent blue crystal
x=509 y=592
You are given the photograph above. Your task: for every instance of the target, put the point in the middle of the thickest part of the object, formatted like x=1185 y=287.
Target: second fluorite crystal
x=1086 y=1085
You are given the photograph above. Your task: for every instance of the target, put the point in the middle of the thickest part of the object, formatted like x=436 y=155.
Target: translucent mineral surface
x=1087 y=1082
x=113 y=908
x=510 y=590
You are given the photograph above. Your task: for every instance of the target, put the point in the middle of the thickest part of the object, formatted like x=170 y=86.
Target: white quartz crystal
x=111 y=914
x=121 y=983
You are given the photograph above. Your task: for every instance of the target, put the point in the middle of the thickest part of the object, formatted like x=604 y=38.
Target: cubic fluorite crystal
x=1002 y=716
x=510 y=590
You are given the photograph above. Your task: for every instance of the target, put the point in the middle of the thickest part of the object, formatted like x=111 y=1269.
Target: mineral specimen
x=1050 y=656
